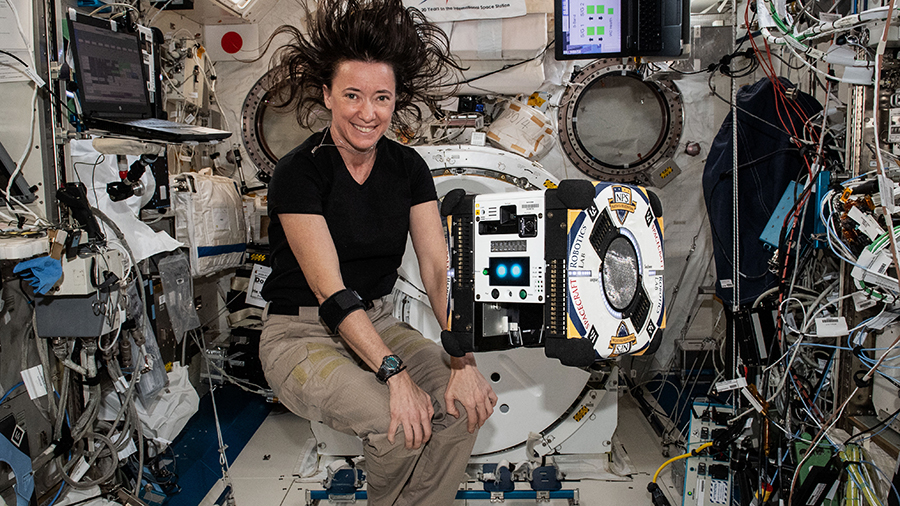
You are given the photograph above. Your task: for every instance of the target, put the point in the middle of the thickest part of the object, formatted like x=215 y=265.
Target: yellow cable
x=692 y=453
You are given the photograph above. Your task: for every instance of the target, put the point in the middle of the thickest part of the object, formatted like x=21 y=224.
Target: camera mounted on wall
x=131 y=184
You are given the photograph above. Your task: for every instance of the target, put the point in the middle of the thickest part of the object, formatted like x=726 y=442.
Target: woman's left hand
x=469 y=387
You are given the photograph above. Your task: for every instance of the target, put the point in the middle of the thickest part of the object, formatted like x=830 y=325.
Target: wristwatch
x=390 y=366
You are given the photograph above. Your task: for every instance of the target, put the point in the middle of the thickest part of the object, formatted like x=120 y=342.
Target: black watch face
x=391 y=362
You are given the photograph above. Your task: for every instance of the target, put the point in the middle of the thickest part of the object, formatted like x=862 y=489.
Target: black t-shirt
x=369 y=223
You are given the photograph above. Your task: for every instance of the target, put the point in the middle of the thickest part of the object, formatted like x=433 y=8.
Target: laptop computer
x=113 y=87
x=615 y=28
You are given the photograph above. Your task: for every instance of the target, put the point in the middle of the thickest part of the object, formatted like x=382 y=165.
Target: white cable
x=118 y=326
x=812 y=67
x=845 y=23
x=172 y=35
x=783 y=313
x=838 y=415
x=22 y=32
x=8 y=218
x=28 y=70
x=717 y=5
x=806 y=324
x=212 y=90
x=21 y=162
x=787 y=369
x=159 y=12
x=223 y=458
x=807 y=321
x=802 y=211
x=831 y=233
x=823 y=29
x=27 y=150
x=815 y=443
x=175 y=86
x=111 y=4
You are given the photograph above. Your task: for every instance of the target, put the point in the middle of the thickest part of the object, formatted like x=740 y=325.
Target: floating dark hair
x=383 y=31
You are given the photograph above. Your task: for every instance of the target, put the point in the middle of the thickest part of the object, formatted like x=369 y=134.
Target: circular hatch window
x=271 y=132
x=617 y=126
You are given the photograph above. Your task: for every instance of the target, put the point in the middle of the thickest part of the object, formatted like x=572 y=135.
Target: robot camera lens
x=528 y=226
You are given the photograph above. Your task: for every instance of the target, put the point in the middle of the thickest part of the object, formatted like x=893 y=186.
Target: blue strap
x=21 y=466
x=208 y=251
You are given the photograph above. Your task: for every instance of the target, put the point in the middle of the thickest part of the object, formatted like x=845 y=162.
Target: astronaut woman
x=341 y=205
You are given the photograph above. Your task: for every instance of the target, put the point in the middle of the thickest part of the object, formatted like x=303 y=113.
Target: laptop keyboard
x=649 y=33
x=166 y=124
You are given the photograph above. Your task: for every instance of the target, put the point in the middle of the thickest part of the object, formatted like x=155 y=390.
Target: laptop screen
x=589 y=28
x=109 y=70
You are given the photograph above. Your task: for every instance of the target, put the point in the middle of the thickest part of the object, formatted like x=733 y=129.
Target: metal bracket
x=342 y=498
x=575 y=500
x=332 y=498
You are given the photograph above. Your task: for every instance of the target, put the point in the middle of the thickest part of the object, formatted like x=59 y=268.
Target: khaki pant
x=317 y=377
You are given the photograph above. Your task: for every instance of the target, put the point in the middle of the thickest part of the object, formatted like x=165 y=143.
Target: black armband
x=457 y=344
x=338 y=306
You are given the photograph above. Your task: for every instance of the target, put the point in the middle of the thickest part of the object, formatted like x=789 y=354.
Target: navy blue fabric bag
x=767 y=162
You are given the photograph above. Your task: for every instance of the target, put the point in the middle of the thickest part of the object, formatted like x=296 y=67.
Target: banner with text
x=440 y=11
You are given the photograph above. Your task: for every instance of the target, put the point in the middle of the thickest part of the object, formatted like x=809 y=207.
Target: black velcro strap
x=90 y=382
x=457 y=344
x=858 y=378
x=571 y=352
x=110 y=280
x=338 y=306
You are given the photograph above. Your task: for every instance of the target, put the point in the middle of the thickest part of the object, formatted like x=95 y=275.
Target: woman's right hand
x=411 y=407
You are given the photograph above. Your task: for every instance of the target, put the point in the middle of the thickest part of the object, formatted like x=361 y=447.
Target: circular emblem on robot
x=615 y=271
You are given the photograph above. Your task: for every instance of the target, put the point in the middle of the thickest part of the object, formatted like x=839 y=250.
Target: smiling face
x=361 y=98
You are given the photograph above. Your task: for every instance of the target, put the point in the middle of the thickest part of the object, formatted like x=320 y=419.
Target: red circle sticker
x=232 y=42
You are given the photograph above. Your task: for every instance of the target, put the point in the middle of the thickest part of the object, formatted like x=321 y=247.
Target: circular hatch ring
x=595 y=158
x=268 y=133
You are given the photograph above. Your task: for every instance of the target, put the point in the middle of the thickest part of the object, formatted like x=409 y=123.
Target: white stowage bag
x=84 y=498
x=209 y=218
x=166 y=416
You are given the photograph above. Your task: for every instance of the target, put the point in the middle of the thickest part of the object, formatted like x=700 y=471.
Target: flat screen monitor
x=589 y=29
x=109 y=68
